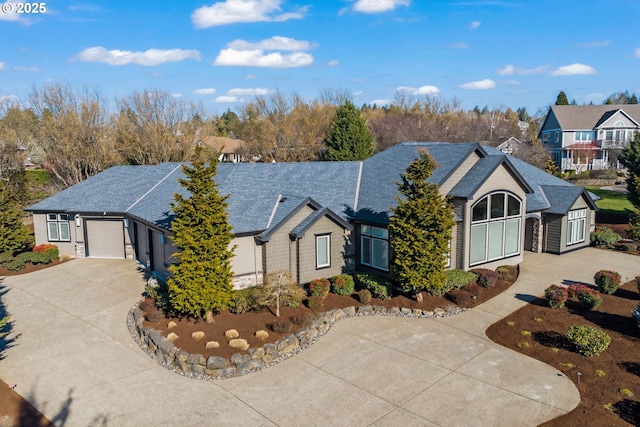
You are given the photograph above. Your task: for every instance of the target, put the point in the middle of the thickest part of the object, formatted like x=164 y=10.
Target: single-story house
x=318 y=219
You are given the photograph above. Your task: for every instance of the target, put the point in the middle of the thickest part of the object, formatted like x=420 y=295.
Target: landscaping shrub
x=320 y=287
x=590 y=299
x=364 y=295
x=48 y=249
x=5 y=257
x=342 y=284
x=574 y=289
x=39 y=258
x=589 y=341
x=243 y=301
x=299 y=319
x=603 y=237
x=506 y=272
x=280 y=326
x=556 y=296
x=457 y=278
x=460 y=296
x=379 y=287
x=474 y=289
x=486 y=278
x=607 y=281
x=15 y=265
x=314 y=302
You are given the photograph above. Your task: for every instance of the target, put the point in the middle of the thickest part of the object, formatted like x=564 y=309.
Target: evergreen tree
x=14 y=235
x=630 y=159
x=200 y=281
x=420 y=229
x=349 y=137
x=562 y=99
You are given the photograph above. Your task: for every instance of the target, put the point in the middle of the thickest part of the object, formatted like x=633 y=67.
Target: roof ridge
x=153 y=188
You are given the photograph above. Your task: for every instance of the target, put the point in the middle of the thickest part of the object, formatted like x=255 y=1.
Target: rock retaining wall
x=214 y=367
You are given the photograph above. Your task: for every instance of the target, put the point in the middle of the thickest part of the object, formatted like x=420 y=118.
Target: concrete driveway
x=74 y=360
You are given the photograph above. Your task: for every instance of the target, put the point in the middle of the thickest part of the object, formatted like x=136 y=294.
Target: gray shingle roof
x=113 y=190
x=262 y=195
x=544 y=184
x=254 y=189
x=381 y=172
x=580 y=117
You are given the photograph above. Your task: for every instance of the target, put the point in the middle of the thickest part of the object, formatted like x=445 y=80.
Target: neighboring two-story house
x=586 y=137
x=318 y=219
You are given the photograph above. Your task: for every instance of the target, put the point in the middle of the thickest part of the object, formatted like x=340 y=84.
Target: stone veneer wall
x=168 y=355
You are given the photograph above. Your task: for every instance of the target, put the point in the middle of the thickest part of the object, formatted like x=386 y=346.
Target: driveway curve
x=74 y=360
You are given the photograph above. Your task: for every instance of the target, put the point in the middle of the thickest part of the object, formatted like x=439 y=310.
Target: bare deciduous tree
x=279 y=288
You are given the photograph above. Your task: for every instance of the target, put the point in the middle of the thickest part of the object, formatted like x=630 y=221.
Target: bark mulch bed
x=248 y=323
x=602 y=403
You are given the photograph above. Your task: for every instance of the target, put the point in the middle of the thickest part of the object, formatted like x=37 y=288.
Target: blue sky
x=506 y=53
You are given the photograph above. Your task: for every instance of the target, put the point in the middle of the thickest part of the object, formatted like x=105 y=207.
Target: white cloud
x=8 y=99
x=479 y=85
x=637 y=54
x=422 y=90
x=246 y=54
x=357 y=93
x=10 y=12
x=574 y=70
x=147 y=58
x=378 y=6
x=474 y=25
x=176 y=95
x=205 y=91
x=512 y=82
x=459 y=45
x=250 y=77
x=333 y=63
x=274 y=43
x=234 y=11
x=510 y=70
x=228 y=99
x=2 y=65
x=247 y=91
x=257 y=58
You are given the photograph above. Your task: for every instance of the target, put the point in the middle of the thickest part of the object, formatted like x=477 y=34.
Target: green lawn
x=612 y=202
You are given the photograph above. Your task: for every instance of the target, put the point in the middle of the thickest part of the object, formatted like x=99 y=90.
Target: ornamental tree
x=200 y=280
x=349 y=137
x=420 y=229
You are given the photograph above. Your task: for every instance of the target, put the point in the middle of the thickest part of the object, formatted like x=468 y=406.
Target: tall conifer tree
x=200 y=280
x=630 y=159
x=349 y=137
x=420 y=229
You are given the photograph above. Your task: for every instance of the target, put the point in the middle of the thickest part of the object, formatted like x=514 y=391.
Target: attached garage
x=105 y=238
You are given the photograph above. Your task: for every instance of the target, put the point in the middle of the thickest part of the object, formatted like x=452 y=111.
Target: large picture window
x=495 y=228
x=576 y=224
x=374 y=247
x=323 y=251
x=58 y=228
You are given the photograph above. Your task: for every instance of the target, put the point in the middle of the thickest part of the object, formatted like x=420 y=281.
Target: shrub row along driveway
x=73 y=357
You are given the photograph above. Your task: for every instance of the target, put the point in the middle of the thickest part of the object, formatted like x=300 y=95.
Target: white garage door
x=105 y=239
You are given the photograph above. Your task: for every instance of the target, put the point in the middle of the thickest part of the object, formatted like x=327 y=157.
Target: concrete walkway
x=74 y=359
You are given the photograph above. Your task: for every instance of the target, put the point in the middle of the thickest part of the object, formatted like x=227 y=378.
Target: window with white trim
x=323 y=251
x=374 y=247
x=58 y=229
x=576 y=226
x=495 y=228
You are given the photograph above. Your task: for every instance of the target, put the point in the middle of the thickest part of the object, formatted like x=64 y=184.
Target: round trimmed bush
x=607 y=281
x=556 y=296
x=589 y=341
x=342 y=284
x=589 y=299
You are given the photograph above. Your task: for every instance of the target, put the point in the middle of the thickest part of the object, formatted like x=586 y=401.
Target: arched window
x=495 y=228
